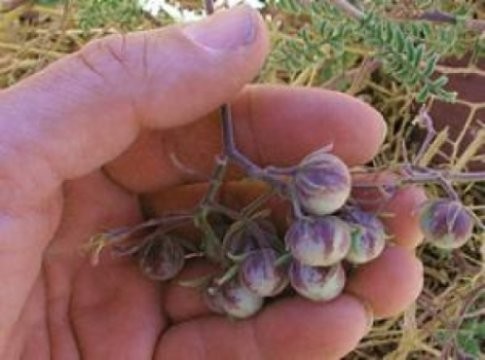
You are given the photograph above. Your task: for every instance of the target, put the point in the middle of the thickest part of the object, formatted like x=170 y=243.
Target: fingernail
x=225 y=30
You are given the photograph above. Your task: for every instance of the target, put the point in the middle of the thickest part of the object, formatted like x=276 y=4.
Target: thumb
x=87 y=108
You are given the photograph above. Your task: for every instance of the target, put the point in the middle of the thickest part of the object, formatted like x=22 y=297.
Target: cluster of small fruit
x=324 y=233
x=328 y=234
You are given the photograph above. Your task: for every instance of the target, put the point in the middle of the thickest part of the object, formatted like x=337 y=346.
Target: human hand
x=82 y=138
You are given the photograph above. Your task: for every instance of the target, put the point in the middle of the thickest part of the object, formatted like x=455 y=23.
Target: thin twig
x=476 y=25
x=215 y=182
x=424 y=119
x=349 y=9
x=435 y=16
x=229 y=143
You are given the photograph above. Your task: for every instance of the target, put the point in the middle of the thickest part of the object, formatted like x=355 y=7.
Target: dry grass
x=453 y=299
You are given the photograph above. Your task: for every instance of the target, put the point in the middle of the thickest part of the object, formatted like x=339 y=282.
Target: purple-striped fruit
x=162 y=258
x=322 y=183
x=234 y=299
x=260 y=273
x=317 y=283
x=446 y=223
x=368 y=236
x=319 y=241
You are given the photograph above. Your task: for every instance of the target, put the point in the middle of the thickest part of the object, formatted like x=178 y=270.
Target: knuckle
x=108 y=57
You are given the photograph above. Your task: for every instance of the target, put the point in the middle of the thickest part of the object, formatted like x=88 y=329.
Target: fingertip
x=227 y=29
x=399 y=211
x=289 y=122
x=403 y=220
x=292 y=328
x=390 y=283
x=297 y=328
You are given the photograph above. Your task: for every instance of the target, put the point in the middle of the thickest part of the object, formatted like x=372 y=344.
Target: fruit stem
x=257 y=203
x=230 y=148
x=424 y=119
x=215 y=182
x=228 y=275
x=283 y=259
x=116 y=236
x=275 y=178
x=211 y=242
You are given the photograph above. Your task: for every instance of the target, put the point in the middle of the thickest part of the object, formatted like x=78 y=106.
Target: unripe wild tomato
x=368 y=236
x=446 y=223
x=321 y=241
x=260 y=273
x=317 y=283
x=162 y=258
x=322 y=183
x=234 y=299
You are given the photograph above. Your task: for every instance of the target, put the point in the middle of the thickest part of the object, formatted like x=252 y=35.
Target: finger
x=274 y=125
x=402 y=219
x=291 y=329
x=390 y=283
x=85 y=110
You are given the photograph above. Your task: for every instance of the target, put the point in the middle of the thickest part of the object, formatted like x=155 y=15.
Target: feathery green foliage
x=406 y=58
x=123 y=14
x=409 y=50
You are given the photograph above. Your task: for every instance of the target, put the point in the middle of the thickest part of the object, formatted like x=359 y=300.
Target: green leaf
x=480 y=329
x=469 y=344
x=410 y=52
x=440 y=82
x=48 y=2
x=400 y=39
x=418 y=56
x=422 y=94
x=430 y=65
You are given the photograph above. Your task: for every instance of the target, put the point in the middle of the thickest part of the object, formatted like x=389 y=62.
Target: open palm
x=84 y=138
